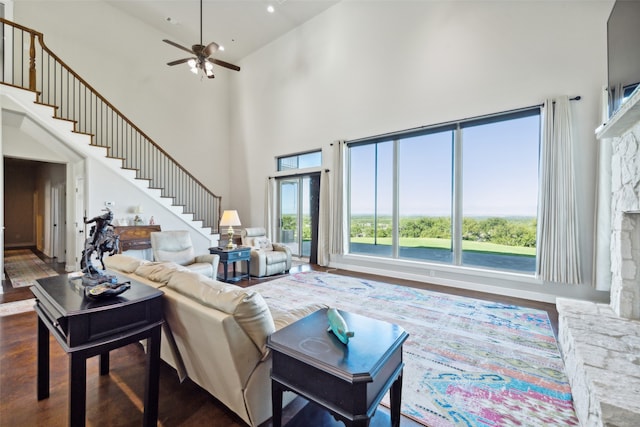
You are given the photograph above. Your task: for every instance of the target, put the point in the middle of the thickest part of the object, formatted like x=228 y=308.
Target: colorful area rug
x=468 y=362
x=23 y=267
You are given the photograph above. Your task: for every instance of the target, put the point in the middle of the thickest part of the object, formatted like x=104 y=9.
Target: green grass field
x=446 y=244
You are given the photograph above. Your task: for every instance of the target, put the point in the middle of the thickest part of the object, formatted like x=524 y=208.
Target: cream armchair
x=267 y=258
x=176 y=246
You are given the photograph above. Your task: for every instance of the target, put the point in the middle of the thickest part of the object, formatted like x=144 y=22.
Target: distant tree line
x=290 y=222
x=503 y=231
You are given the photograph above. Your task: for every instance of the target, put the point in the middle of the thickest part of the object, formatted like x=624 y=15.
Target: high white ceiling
x=241 y=26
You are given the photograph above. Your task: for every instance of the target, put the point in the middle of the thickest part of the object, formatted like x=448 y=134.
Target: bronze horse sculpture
x=102 y=240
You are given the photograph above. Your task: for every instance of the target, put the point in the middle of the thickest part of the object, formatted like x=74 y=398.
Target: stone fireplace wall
x=600 y=343
x=625 y=227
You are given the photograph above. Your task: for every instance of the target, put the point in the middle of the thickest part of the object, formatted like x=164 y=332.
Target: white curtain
x=270 y=209
x=602 y=253
x=336 y=207
x=558 y=254
x=323 y=220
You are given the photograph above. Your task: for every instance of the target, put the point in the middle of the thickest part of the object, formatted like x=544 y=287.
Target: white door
x=58 y=224
x=79 y=220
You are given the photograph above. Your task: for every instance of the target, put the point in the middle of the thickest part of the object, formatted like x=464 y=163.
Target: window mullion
x=456 y=200
x=395 y=217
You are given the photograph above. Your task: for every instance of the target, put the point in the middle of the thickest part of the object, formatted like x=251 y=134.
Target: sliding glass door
x=295 y=214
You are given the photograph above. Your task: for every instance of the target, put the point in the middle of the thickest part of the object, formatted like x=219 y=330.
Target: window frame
x=456 y=127
x=297 y=157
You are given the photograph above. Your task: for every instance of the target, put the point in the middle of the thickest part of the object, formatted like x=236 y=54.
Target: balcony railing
x=28 y=63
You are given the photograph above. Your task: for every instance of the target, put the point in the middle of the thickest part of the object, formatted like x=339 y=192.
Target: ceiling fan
x=203 y=61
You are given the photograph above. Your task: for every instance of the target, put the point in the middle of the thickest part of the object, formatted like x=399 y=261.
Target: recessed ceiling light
x=270 y=9
x=220 y=47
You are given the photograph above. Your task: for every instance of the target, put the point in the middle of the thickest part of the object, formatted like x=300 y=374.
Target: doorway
x=298 y=209
x=35 y=205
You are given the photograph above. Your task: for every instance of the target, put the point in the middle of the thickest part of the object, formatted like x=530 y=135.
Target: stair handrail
x=33 y=86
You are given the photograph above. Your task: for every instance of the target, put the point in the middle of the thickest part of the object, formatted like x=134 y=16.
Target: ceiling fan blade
x=174 y=44
x=224 y=64
x=179 y=61
x=211 y=48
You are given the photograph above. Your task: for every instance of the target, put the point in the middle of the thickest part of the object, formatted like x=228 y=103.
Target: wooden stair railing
x=57 y=85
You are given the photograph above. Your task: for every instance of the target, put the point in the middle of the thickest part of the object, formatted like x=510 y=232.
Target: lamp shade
x=230 y=219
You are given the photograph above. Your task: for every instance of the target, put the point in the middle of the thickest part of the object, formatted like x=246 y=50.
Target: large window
x=463 y=193
x=300 y=161
x=371 y=201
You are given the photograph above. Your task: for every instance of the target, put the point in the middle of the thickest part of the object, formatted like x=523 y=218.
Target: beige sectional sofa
x=215 y=333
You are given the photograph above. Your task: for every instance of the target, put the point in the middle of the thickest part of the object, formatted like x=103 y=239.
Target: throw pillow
x=262 y=243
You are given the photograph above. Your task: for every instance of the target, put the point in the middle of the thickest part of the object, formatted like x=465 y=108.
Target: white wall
x=125 y=60
x=104 y=185
x=368 y=67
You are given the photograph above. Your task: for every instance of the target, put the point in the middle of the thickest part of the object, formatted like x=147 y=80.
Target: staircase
x=77 y=114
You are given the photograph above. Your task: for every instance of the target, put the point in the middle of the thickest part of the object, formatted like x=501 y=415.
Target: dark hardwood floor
x=116 y=399
x=9 y=293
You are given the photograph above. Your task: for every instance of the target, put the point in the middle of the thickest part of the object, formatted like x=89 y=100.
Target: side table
x=347 y=380
x=239 y=254
x=85 y=328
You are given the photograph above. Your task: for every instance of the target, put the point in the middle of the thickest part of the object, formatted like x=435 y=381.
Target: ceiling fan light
x=193 y=66
x=208 y=66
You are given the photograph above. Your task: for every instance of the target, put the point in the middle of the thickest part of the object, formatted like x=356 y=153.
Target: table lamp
x=230 y=219
x=138 y=219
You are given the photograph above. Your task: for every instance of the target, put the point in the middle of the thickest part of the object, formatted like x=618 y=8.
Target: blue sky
x=500 y=163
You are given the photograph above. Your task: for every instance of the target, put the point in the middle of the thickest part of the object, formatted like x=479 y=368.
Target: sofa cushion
x=159 y=271
x=246 y=306
x=123 y=263
x=284 y=318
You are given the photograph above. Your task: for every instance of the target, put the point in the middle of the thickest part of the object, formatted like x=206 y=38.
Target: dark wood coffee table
x=85 y=328
x=347 y=380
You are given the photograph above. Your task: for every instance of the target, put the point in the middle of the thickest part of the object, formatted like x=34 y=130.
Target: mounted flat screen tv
x=623 y=51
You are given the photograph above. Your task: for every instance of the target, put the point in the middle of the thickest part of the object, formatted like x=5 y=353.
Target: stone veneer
x=625 y=224
x=601 y=343
x=601 y=353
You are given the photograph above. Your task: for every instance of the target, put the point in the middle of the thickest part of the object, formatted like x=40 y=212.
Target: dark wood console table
x=347 y=380
x=135 y=237
x=85 y=328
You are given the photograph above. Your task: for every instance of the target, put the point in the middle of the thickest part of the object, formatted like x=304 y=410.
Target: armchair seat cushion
x=275 y=257
x=204 y=268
